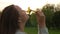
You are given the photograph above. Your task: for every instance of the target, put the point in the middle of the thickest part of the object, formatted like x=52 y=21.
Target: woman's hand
x=40 y=18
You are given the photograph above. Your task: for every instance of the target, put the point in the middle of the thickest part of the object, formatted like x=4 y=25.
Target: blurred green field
x=54 y=31
x=31 y=30
x=34 y=30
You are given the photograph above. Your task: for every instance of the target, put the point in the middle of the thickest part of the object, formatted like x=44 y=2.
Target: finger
x=40 y=13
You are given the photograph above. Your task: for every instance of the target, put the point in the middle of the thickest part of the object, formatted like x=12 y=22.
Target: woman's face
x=23 y=16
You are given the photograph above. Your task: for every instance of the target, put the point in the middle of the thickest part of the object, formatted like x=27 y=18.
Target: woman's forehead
x=20 y=11
x=17 y=7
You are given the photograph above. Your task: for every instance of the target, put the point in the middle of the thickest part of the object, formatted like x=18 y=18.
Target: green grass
x=34 y=30
x=54 y=31
x=31 y=30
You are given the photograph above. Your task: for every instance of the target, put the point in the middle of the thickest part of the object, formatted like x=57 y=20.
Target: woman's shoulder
x=19 y=32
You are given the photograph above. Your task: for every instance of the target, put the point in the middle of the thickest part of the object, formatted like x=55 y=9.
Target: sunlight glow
x=24 y=4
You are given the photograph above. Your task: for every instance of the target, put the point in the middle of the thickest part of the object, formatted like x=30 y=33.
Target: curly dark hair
x=9 y=20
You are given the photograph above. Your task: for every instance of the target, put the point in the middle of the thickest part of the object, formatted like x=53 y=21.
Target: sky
x=24 y=4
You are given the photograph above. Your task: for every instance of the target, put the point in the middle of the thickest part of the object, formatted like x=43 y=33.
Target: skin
x=40 y=18
x=24 y=17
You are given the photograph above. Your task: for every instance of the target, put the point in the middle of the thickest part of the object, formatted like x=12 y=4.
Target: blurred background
x=51 y=9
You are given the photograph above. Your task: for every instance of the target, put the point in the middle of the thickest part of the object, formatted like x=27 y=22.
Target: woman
x=13 y=20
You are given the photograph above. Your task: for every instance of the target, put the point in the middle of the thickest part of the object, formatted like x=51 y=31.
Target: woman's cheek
x=26 y=18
